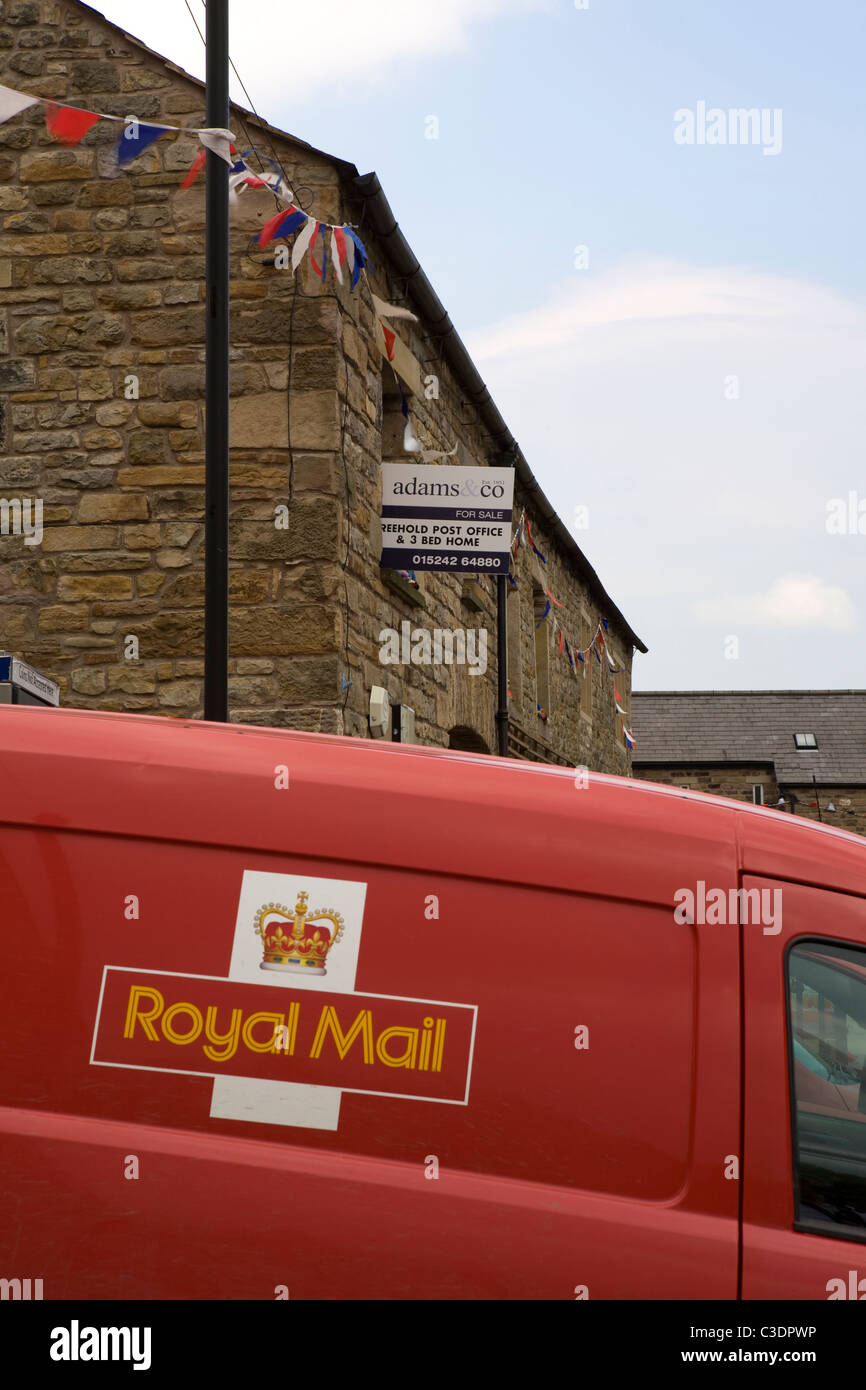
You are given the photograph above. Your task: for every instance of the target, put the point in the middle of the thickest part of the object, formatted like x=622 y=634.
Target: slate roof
x=755 y=726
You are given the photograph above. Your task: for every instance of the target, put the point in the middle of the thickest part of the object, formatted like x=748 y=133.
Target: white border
x=221 y=979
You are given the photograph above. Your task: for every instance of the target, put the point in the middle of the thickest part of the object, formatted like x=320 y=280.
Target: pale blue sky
x=707 y=501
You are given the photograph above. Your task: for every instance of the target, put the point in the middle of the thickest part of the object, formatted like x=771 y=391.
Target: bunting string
x=575 y=656
x=69 y=124
x=337 y=246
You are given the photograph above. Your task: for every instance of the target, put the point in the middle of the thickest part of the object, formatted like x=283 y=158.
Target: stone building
x=803 y=751
x=102 y=374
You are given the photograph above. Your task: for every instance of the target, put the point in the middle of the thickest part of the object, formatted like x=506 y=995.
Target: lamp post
x=217 y=374
x=817 y=798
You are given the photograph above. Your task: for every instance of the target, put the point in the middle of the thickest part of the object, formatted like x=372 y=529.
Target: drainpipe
x=502 y=664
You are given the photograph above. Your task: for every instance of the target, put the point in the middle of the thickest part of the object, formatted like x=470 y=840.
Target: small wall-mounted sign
x=380 y=712
x=20 y=684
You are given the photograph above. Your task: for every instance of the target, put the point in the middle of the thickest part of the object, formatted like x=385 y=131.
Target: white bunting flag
x=392 y=311
x=335 y=255
x=11 y=102
x=302 y=241
x=429 y=455
x=219 y=141
x=411 y=442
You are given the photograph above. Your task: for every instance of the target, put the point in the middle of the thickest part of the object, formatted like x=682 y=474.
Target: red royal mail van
x=287 y=1015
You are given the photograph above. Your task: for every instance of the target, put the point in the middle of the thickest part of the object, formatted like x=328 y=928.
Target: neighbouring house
x=803 y=751
x=101 y=284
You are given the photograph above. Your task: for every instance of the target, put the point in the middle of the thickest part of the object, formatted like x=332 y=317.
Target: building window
x=805 y=741
x=393 y=425
x=512 y=620
x=542 y=652
x=827 y=1057
x=757 y=794
x=393 y=420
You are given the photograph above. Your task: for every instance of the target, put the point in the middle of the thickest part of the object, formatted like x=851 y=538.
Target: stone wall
x=102 y=375
x=737 y=782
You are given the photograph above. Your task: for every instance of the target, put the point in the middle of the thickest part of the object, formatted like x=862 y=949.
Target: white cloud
x=793 y=600
x=614 y=385
x=291 y=51
x=672 y=300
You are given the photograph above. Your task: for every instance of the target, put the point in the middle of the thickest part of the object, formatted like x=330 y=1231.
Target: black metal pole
x=216 y=592
x=502 y=663
x=817 y=799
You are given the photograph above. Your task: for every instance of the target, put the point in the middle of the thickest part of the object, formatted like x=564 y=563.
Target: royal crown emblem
x=290 y=940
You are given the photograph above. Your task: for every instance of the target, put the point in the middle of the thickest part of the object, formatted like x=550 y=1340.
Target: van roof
x=364 y=802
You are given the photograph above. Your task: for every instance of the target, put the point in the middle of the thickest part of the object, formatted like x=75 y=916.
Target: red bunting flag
x=67 y=123
x=552 y=599
x=268 y=231
x=532 y=544
x=561 y=640
x=390 y=339
x=195 y=169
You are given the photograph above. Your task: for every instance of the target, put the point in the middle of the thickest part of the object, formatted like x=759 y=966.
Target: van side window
x=827 y=1059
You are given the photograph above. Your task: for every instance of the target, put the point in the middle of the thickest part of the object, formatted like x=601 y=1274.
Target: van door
x=586 y=1155
x=804 y=1171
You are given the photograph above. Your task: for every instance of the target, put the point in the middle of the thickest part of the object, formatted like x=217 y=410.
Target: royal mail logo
x=283 y=1032
x=201 y=1025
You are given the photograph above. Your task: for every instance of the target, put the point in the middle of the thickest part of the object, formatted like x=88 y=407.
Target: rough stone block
x=46 y=166
x=261 y=421
x=84 y=586
x=179 y=414
x=268 y=632
x=63 y=617
x=74 y=538
x=113 y=507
